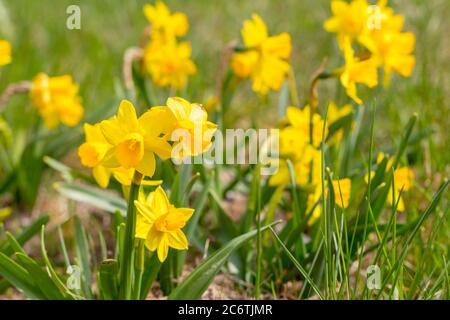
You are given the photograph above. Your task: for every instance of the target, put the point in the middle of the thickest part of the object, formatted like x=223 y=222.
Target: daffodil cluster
x=57 y=100
x=299 y=142
x=5 y=52
x=265 y=58
x=167 y=60
x=124 y=143
x=377 y=31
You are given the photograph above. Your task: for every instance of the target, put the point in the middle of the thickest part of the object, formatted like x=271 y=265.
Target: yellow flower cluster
x=299 y=145
x=265 y=59
x=57 y=100
x=159 y=223
x=167 y=60
x=125 y=143
x=379 y=31
x=5 y=52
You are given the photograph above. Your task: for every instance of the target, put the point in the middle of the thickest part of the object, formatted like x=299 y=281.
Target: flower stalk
x=126 y=262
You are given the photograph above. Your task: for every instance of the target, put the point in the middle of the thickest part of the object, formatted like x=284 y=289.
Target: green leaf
x=108 y=279
x=83 y=257
x=40 y=277
x=19 y=277
x=199 y=280
x=92 y=196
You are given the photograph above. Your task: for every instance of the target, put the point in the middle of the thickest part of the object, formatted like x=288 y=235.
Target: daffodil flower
x=357 y=71
x=160 y=223
x=191 y=132
x=57 y=100
x=265 y=59
x=169 y=64
x=165 y=25
x=134 y=142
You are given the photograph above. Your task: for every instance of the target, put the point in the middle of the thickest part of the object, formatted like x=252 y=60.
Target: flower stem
x=126 y=262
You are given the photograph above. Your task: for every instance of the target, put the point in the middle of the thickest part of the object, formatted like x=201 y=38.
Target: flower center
x=131 y=150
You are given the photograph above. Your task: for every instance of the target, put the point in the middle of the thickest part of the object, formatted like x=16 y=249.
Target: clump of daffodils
x=265 y=59
x=167 y=60
x=377 y=30
x=57 y=100
x=126 y=143
x=5 y=52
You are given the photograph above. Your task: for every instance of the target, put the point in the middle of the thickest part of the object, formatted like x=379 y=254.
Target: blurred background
x=93 y=55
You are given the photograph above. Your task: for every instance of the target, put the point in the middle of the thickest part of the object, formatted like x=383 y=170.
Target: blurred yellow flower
x=391 y=48
x=357 y=71
x=165 y=25
x=134 y=141
x=57 y=100
x=194 y=131
x=169 y=64
x=342 y=189
x=5 y=52
x=403 y=181
x=160 y=223
x=299 y=120
x=335 y=114
x=349 y=20
x=265 y=59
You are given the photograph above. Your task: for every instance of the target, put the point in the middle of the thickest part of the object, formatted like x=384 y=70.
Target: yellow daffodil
x=265 y=59
x=134 y=141
x=93 y=151
x=169 y=64
x=5 y=213
x=57 y=100
x=160 y=223
x=335 y=114
x=349 y=20
x=5 y=52
x=194 y=131
x=299 y=120
x=393 y=50
x=357 y=71
x=165 y=25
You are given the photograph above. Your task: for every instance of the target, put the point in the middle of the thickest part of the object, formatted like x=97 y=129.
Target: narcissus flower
x=299 y=120
x=5 y=52
x=93 y=151
x=57 y=100
x=169 y=64
x=349 y=20
x=160 y=223
x=265 y=59
x=134 y=141
x=193 y=130
x=165 y=25
x=357 y=71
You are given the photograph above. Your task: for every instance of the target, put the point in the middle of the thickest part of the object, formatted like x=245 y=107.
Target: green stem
x=126 y=262
x=139 y=268
x=258 y=234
